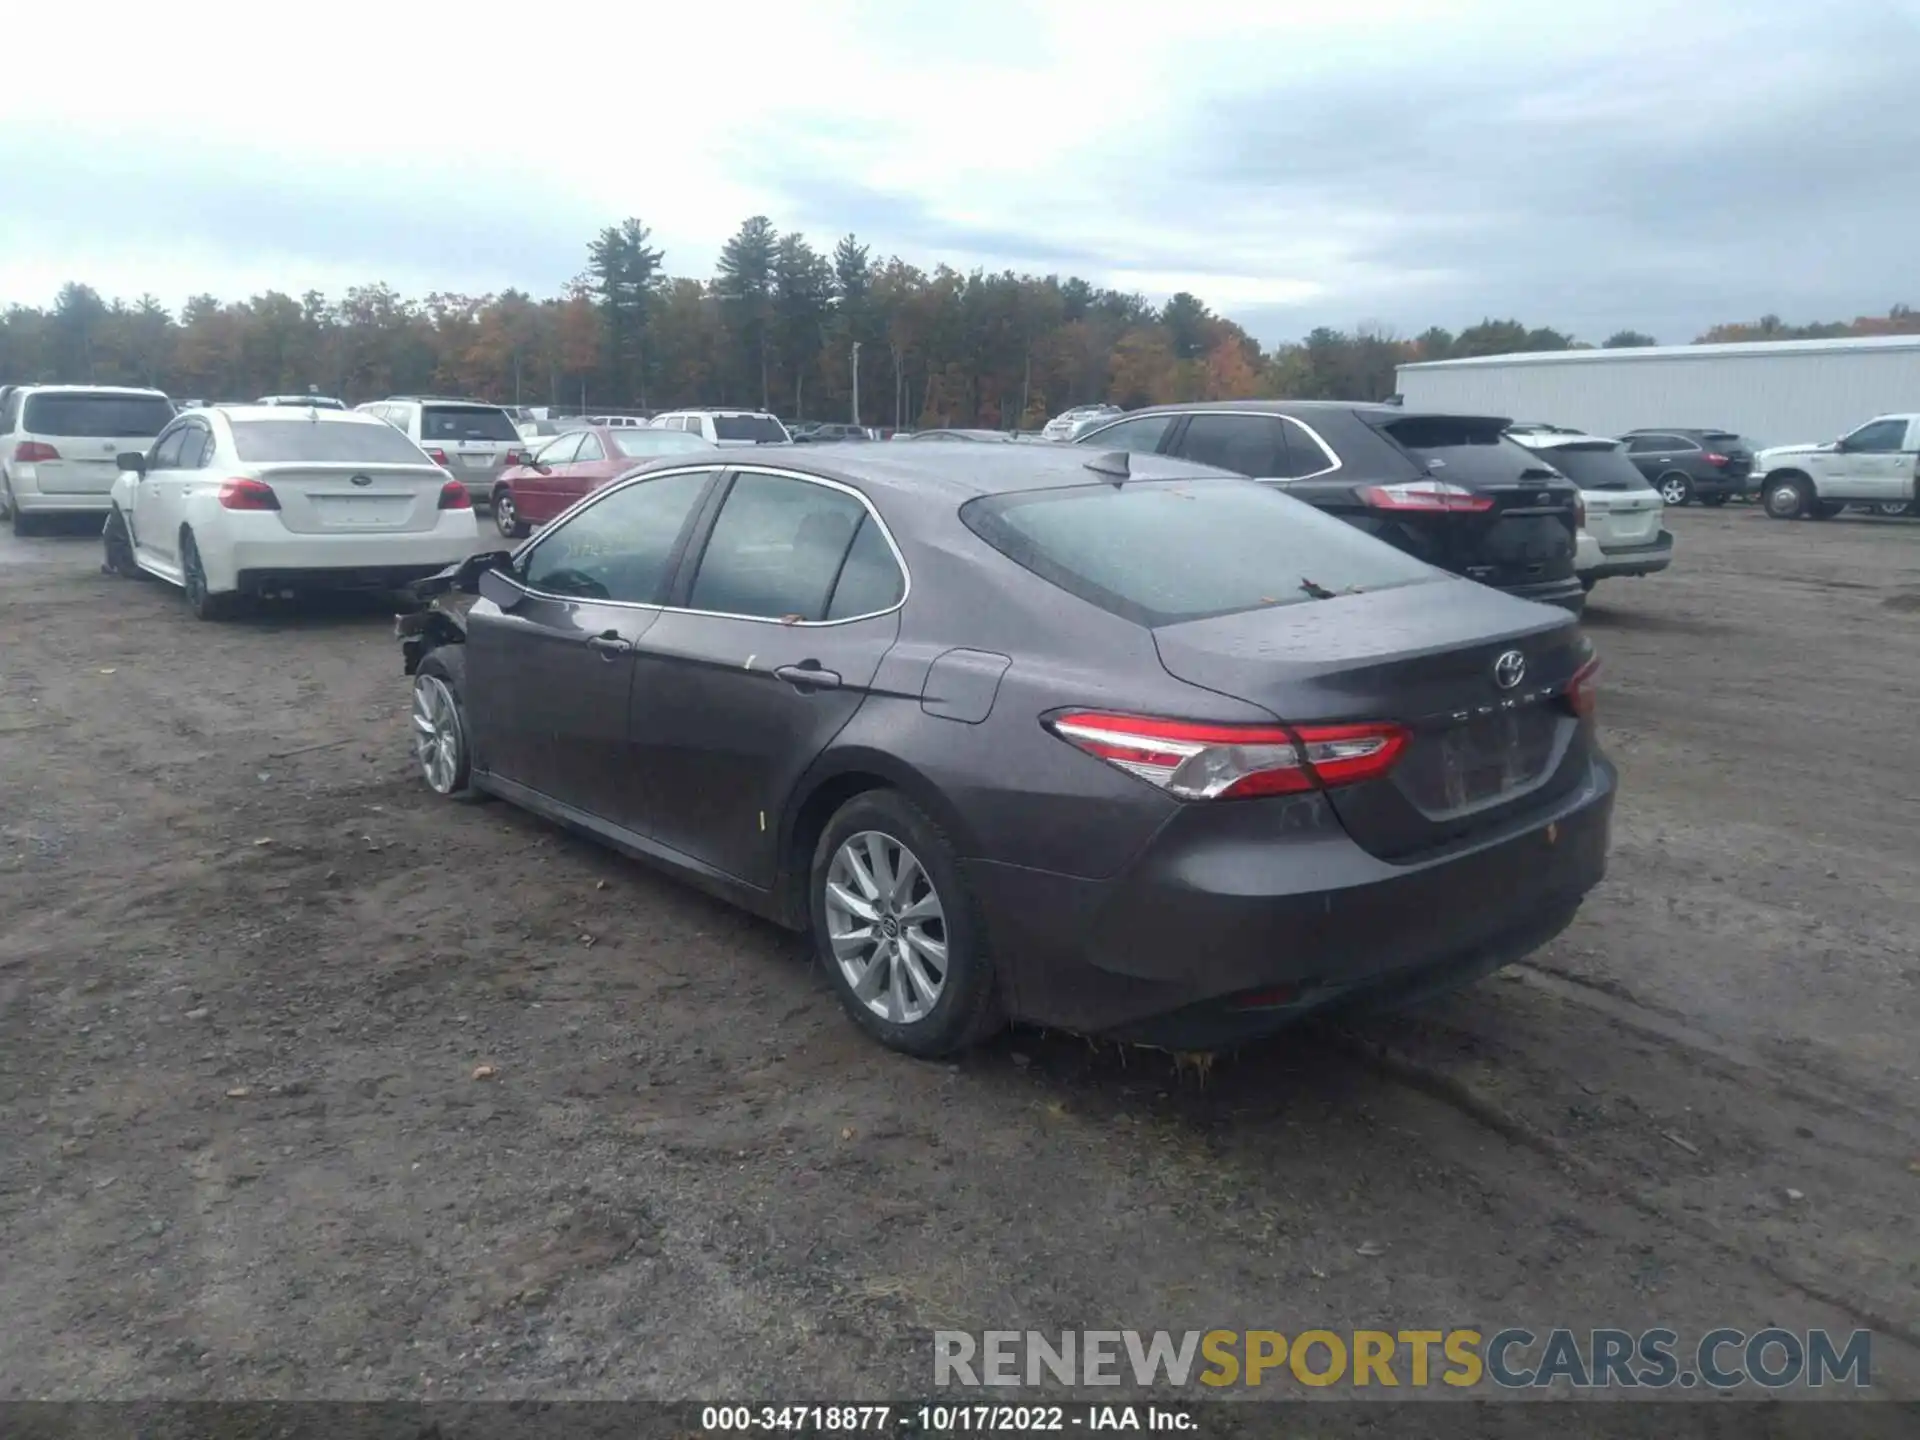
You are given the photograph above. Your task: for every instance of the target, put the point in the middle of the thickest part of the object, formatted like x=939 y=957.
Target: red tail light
x=517 y=457
x=1583 y=689
x=1232 y=762
x=247 y=495
x=1713 y=459
x=438 y=456
x=1427 y=495
x=28 y=452
x=454 y=496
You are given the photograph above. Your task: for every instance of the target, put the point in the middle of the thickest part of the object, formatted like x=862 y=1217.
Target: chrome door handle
x=609 y=645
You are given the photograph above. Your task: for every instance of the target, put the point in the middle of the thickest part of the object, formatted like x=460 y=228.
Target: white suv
x=1622 y=525
x=471 y=440
x=58 y=443
x=725 y=428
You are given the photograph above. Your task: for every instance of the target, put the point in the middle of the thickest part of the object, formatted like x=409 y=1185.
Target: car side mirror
x=131 y=460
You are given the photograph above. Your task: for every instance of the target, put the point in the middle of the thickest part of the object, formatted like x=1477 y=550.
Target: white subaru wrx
x=248 y=500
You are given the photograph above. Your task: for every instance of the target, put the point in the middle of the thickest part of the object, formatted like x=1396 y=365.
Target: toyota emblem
x=1510 y=669
x=362 y=480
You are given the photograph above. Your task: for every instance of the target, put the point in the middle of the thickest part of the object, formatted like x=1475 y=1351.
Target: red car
x=571 y=464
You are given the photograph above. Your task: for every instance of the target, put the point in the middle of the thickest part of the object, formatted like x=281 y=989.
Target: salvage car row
x=1105 y=735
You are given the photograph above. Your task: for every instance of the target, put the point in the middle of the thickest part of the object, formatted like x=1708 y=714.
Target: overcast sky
x=1589 y=164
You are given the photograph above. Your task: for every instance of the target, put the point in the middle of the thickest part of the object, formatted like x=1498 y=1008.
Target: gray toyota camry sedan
x=1118 y=744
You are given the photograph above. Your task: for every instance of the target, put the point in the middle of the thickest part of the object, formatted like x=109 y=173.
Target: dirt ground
x=249 y=967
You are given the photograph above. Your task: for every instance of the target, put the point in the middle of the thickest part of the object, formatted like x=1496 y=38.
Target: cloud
x=1592 y=165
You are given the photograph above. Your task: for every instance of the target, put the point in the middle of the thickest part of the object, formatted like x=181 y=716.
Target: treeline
x=776 y=326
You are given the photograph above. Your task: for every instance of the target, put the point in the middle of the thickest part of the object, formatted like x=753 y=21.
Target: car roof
x=1681 y=430
x=324 y=414
x=1554 y=439
x=143 y=390
x=1302 y=408
x=958 y=473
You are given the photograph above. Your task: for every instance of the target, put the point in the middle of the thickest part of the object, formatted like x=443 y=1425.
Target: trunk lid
x=1480 y=753
x=1529 y=533
x=345 y=498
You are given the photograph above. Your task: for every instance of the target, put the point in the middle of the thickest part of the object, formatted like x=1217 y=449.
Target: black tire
x=447 y=667
x=506 y=516
x=21 y=522
x=204 y=604
x=117 y=541
x=1825 y=509
x=1788 y=498
x=968 y=1008
x=1715 y=500
x=1675 y=488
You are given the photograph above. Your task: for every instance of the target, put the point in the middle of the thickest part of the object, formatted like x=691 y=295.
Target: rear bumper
x=32 y=500
x=1566 y=593
x=1637 y=560
x=263 y=555
x=1187 y=947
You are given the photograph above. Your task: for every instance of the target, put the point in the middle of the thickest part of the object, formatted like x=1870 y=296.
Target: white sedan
x=248 y=500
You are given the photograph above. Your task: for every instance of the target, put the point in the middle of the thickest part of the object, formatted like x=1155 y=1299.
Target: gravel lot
x=250 y=970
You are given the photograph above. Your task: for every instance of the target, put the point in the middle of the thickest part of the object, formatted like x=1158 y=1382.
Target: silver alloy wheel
x=1783 y=500
x=887 y=927
x=436 y=733
x=1673 y=490
x=504 y=515
x=1893 y=507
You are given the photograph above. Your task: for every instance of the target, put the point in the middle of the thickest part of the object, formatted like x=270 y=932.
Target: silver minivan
x=58 y=445
x=471 y=440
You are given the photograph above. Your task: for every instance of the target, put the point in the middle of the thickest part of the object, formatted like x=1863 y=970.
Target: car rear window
x=266 y=441
x=1164 y=552
x=1596 y=467
x=1724 y=437
x=102 y=415
x=1466 y=449
x=466 y=422
x=761 y=429
x=641 y=444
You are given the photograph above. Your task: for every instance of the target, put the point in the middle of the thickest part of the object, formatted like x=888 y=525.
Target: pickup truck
x=1874 y=465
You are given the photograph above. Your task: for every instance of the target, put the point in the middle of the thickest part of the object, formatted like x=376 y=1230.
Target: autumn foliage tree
x=775 y=326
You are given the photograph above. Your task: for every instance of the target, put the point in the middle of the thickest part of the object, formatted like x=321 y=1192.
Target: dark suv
x=1689 y=465
x=1452 y=490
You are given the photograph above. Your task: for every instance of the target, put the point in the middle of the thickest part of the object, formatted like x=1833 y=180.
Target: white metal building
x=1777 y=392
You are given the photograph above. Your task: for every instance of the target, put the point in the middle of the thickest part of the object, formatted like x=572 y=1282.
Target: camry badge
x=1510 y=669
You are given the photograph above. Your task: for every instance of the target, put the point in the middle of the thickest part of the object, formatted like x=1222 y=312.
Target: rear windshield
x=265 y=441
x=1160 y=553
x=1725 y=438
x=638 y=444
x=1596 y=467
x=101 y=415
x=1465 y=449
x=761 y=429
x=466 y=422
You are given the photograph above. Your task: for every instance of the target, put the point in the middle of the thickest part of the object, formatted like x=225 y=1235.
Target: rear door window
x=777 y=549
x=1141 y=435
x=1464 y=449
x=1254 y=445
x=1164 y=552
x=466 y=422
x=266 y=441
x=107 y=416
